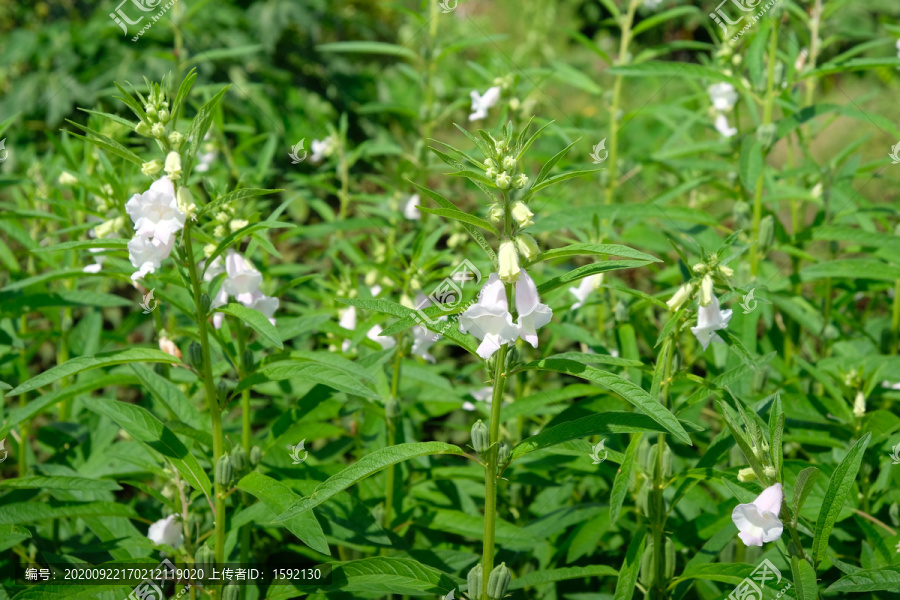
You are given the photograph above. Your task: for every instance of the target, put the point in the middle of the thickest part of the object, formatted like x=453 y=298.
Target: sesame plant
x=467 y=300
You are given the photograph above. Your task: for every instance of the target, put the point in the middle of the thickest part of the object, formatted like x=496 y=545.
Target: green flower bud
x=176 y=139
x=152 y=168
x=503 y=180
x=765 y=134
x=224 y=471
x=495 y=212
x=481 y=440
x=255 y=455
x=222 y=392
x=766 y=233
x=670 y=559
x=205 y=303
x=231 y=592
x=648 y=570
x=239 y=458
x=195 y=355
x=490 y=164
x=158 y=131
x=391 y=408
x=142 y=129
x=498 y=582
x=527 y=246
x=150 y=110
x=512 y=357
x=520 y=181
x=491 y=172
x=475 y=580
x=509 y=163
x=163 y=116
x=502 y=453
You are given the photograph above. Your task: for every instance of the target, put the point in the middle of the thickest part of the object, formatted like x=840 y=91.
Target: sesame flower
x=758 y=521
x=481 y=103
x=155 y=212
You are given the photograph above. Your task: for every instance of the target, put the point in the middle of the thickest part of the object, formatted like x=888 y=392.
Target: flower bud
x=509 y=163
x=527 y=246
x=475 y=580
x=522 y=214
x=176 y=139
x=766 y=233
x=520 y=181
x=491 y=172
x=142 y=129
x=186 y=204
x=195 y=355
x=490 y=164
x=706 y=290
x=152 y=168
x=255 y=455
x=765 y=134
x=173 y=166
x=239 y=458
x=107 y=227
x=509 y=261
x=66 y=178
x=859 y=405
x=480 y=437
x=503 y=180
x=680 y=297
x=205 y=303
x=495 y=212
x=770 y=472
x=498 y=582
x=224 y=471
x=502 y=453
x=163 y=116
x=746 y=475
x=231 y=592
x=158 y=131
x=512 y=357
x=222 y=392
x=725 y=270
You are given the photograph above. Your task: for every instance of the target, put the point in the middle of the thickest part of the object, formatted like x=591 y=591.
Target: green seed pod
x=766 y=233
x=647 y=564
x=391 y=408
x=195 y=355
x=512 y=358
x=742 y=214
x=475 y=580
x=231 y=592
x=239 y=458
x=670 y=559
x=247 y=362
x=255 y=455
x=498 y=582
x=204 y=557
x=894 y=513
x=205 y=303
x=490 y=365
x=667 y=462
x=224 y=471
x=222 y=392
x=481 y=440
x=502 y=453
x=765 y=134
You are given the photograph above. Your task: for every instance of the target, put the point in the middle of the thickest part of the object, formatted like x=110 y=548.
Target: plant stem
x=895 y=319
x=767 y=119
x=212 y=401
x=627 y=22
x=391 y=440
x=659 y=506
x=491 y=471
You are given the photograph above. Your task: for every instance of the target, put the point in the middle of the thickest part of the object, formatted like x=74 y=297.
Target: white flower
x=527 y=246
x=410 y=211
x=584 y=289
x=723 y=96
x=146 y=254
x=898 y=56
x=221 y=299
x=489 y=319
x=374 y=334
x=522 y=214
x=66 y=178
x=709 y=320
x=243 y=279
x=652 y=4
x=532 y=314
x=321 y=149
x=509 y=261
x=680 y=297
x=98 y=261
x=859 y=405
x=706 y=290
x=173 y=166
x=424 y=339
x=166 y=531
x=207 y=156
x=485 y=394
x=169 y=347
x=347 y=321
x=155 y=212
x=758 y=521
x=481 y=103
x=723 y=127
x=267 y=305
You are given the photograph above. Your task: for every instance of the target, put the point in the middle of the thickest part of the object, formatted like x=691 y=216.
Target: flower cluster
x=157 y=218
x=709 y=317
x=242 y=281
x=723 y=97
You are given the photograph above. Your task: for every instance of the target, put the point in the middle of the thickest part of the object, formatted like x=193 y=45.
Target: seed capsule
x=204 y=557
x=498 y=582
x=502 y=453
x=231 y=592
x=475 y=579
x=255 y=455
x=195 y=355
x=239 y=458
x=224 y=470
x=480 y=437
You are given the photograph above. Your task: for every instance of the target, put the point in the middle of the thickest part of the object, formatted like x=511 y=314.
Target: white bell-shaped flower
x=489 y=319
x=709 y=320
x=482 y=103
x=155 y=212
x=532 y=314
x=166 y=531
x=146 y=254
x=723 y=96
x=758 y=521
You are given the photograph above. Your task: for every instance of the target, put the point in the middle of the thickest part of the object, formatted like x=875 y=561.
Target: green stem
x=391 y=423
x=767 y=119
x=491 y=471
x=659 y=507
x=895 y=318
x=212 y=400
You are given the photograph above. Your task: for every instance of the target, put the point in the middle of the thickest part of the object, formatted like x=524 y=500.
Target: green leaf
x=255 y=320
x=883 y=579
x=553 y=575
x=838 y=489
x=591 y=269
x=309 y=372
x=624 y=388
x=200 y=125
x=806 y=480
x=595 y=249
x=851 y=268
x=15 y=513
x=599 y=424
x=383 y=575
x=11 y=535
x=364 y=47
x=856 y=64
x=366 y=466
x=660 y=18
x=623 y=479
x=241 y=234
x=804 y=579
x=673 y=70
x=143 y=426
x=631 y=567
x=751 y=163
x=235 y=196
x=458 y=215
x=108 y=144
x=85 y=363
x=108 y=243
x=278 y=498
x=76 y=484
